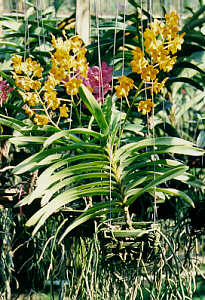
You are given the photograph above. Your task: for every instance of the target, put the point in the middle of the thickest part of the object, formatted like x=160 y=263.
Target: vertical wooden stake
x=20 y=6
x=83 y=20
x=1 y=13
x=1 y=6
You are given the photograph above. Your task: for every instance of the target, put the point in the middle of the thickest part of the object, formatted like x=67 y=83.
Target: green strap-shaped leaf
x=11 y=24
x=189 y=104
x=194 y=23
x=11 y=123
x=189 y=65
x=136 y=4
x=195 y=17
x=86 y=168
x=48 y=194
x=27 y=140
x=69 y=133
x=65 y=162
x=94 y=108
x=186 y=80
x=135 y=163
x=67 y=197
x=5 y=137
x=132 y=195
x=32 y=161
x=175 y=192
x=183 y=150
x=161 y=141
x=88 y=216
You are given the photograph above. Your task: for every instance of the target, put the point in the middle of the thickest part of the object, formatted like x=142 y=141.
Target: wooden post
x=1 y=13
x=1 y=6
x=20 y=6
x=83 y=20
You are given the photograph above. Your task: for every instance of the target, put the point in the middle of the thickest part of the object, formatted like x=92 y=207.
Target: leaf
x=69 y=134
x=11 y=24
x=189 y=104
x=5 y=137
x=186 y=80
x=107 y=109
x=58 y=135
x=196 y=37
x=27 y=140
x=171 y=144
x=189 y=49
x=31 y=162
x=11 y=44
x=93 y=106
x=32 y=129
x=137 y=5
x=78 y=159
x=74 y=174
x=201 y=139
x=191 y=180
x=48 y=194
x=195 y=16
x=96 y=211
x=168 y=128
x=117 y=118
x=136 y=128
x=186 y=64
x=133 y=163
x=132 y=195
x=11 y=123
x=57 y=4
x=141 y=172
x=178 y=193
x=183 y=150
x=194 y=22
x=65 y=198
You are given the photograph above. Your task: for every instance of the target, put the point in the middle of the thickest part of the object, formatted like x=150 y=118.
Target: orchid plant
x=107 y=167
x=79 y=164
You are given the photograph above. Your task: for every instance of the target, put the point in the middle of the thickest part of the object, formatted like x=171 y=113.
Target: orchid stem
x=127 y=114
x=76 y=111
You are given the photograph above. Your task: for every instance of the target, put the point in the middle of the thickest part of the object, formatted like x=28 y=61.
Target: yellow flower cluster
x=145 y=106
x=69 y=62
x=126 y=84
x=161 y=42
x=68 y=66
x=30 y=69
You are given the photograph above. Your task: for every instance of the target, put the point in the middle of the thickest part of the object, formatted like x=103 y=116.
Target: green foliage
x=29 y=34
x=112 y=169
x=101 y=166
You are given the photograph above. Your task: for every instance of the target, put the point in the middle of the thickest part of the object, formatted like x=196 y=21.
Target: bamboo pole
x=83 y=20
